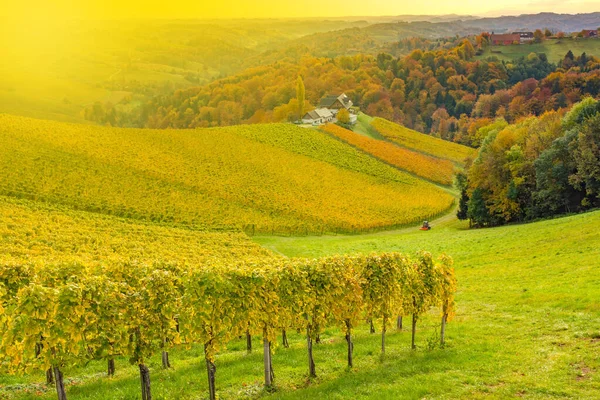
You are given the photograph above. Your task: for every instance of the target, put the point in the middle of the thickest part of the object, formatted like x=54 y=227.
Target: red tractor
x=426 y=226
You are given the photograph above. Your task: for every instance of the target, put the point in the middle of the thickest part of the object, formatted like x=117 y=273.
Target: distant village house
x=505 y=39
x=328 y=109
x=589 y=33
x=525 y=36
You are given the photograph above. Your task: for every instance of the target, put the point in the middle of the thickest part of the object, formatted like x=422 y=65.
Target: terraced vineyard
x=434 y=169
x=421 y=142
x=273 y=178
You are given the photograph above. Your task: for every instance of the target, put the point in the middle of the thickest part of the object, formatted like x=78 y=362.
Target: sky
x=169 y=9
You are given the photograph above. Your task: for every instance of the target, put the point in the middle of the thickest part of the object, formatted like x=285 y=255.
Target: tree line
x=68 y=314
x=535 y=168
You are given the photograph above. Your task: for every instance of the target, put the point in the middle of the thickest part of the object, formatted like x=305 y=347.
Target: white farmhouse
x=318 y=117
x=328 y=109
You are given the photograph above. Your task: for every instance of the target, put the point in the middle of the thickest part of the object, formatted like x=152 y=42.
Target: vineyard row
x=57 y=315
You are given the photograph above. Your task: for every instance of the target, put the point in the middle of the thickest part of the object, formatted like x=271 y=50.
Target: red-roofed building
x=506 y=39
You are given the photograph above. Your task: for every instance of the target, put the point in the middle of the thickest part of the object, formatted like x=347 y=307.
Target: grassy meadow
x=363 y=127
x=555 y=49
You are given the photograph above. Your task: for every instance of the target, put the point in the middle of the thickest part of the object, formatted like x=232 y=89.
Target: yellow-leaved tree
x=300 y=96
x=343 y=116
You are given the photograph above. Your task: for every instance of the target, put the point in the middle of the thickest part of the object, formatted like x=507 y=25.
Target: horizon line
x=459 y=17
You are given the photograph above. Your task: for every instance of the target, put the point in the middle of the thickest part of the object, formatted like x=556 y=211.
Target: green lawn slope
x=554 y=49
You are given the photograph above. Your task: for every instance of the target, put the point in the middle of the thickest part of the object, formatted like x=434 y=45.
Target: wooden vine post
x=211 y=368
x=267 y=360
x=248 y=342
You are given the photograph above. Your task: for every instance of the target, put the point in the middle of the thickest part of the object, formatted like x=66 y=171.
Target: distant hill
x=111 y=62
x=404 y=17
x=430 y=18
x=530 y=22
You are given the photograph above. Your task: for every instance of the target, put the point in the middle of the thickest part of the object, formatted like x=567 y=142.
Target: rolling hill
x=56 y=73
x=266 y=178
x=531 y=22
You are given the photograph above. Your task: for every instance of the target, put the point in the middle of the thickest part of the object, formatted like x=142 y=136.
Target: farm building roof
x=318 y=113
x=508 y=37
x=330 y=100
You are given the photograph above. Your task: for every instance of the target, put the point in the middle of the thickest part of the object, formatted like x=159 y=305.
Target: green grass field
x=528 y=312
x=527 y=326
x=553 y=48
x=363 y=126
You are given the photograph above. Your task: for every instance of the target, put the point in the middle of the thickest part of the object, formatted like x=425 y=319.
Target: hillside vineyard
x=422 y=165
x=272 y=178
x=417 y=141
x=39 y=233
